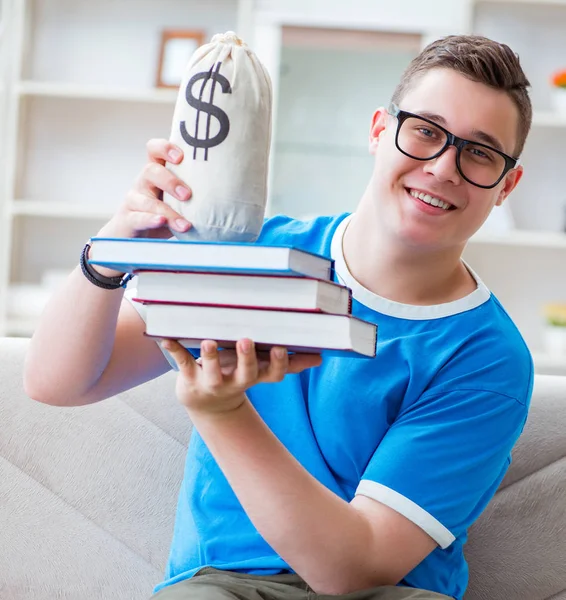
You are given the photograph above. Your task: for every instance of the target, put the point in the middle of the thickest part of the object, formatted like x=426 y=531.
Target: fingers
x=143 y=209
x=156 y=178
x=228 y=361
x=184 y=359
x=246 y=372
x=278 y=364
x=229 y=373
x=146 y=212
x=210 y=365
x=162 y=151
x=300 y=362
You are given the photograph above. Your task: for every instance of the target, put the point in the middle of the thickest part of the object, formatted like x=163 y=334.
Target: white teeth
x=430 y=199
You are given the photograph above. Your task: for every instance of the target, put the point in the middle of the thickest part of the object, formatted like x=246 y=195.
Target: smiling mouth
x=430 y=200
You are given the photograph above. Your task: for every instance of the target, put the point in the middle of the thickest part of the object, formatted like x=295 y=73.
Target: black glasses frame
x=451 y=140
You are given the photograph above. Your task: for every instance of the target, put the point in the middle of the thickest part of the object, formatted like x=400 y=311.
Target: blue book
x=130 y=255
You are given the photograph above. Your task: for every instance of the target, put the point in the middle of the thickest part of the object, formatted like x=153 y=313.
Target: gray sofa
x=87 y=496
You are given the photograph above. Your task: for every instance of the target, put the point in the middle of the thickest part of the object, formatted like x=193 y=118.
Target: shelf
x=69 y=90
x=169 y=96
x=66 y=210
x=529 y=239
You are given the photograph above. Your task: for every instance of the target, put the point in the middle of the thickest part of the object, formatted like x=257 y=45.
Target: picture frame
x=177 y=47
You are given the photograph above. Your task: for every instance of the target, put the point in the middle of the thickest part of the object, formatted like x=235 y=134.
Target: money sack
x=222 y=122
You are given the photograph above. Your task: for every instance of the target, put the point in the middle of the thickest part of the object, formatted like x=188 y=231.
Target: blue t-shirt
x=426 y=427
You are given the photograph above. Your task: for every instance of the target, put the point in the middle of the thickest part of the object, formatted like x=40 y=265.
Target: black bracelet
x=106 y=283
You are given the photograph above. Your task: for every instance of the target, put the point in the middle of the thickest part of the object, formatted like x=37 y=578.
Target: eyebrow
x=478 y=134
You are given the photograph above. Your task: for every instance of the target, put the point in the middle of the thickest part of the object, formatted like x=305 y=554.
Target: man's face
x=466 y=109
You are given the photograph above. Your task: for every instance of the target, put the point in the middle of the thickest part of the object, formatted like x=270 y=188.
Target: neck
x=402 y=273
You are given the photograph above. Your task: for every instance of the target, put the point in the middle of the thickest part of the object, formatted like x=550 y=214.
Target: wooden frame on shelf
x=177 y=47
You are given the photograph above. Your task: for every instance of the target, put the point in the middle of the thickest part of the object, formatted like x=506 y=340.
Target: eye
x=427 y=131
x=480 y=153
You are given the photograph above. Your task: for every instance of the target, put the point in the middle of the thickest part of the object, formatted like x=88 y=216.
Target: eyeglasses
x=422 y=139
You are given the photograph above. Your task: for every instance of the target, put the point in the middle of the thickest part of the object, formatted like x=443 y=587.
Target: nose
x=444 y=166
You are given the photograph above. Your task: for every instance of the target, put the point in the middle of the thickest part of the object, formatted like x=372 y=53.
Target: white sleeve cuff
x=129 y=295
x=434 y=528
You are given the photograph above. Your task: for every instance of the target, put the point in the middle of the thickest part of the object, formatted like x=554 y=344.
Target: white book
x=129 y=255
x=251 y=291
x=297 y=331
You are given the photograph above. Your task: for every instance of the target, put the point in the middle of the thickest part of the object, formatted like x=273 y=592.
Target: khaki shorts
x=212 y=584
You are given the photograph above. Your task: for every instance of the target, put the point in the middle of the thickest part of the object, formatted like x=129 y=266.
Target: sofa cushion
x=517 y=548
x=87 y=494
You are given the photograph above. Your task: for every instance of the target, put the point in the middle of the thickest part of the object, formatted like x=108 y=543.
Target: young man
x=357 y=477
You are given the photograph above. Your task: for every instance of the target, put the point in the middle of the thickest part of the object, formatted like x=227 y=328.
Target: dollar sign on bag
x=209 y=108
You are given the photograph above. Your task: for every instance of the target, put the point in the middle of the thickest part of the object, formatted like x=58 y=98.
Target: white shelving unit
x=69 y=90
x=80 y=105
x=62 y=210
x=525 y=267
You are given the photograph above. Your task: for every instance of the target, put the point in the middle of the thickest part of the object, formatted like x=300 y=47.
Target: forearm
x=322 y=537
x=73 y=341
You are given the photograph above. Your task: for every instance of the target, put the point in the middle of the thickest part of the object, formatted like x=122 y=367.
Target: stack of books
x=274 y=295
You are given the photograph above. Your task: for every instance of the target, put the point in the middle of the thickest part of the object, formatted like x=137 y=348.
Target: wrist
x=114 y=282
x=208 y=413
x=115 y=229
x=110 y=230
x=104 y=271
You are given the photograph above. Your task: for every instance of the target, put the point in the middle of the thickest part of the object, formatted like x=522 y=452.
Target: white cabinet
x=81 y=104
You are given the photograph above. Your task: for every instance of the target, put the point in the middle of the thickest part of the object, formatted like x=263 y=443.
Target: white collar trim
x=396 y=309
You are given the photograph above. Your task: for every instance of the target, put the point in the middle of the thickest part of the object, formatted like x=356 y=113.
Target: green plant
x=555 y=314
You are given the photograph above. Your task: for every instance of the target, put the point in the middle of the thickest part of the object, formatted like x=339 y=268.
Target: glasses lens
x=420 y=139
x=481 y=165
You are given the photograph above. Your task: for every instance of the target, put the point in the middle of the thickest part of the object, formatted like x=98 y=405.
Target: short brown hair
x=480 y=59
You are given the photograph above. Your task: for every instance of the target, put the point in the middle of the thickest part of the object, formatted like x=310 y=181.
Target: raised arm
x=89 y=344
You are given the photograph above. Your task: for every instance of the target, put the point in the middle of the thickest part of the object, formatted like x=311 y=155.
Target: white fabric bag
x=222 y=121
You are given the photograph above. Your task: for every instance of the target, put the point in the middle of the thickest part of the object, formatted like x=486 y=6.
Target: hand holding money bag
x=222 y=121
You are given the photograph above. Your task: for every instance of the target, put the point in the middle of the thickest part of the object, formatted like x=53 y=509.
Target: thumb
x=184 y=359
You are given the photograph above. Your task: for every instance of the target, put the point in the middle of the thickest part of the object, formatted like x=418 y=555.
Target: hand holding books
x=205 y=388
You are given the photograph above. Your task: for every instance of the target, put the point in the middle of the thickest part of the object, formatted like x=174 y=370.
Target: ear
x=378 y=124
x=511 y=180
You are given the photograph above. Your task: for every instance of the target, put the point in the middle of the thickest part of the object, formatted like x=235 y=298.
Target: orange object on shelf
x=559 y=78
